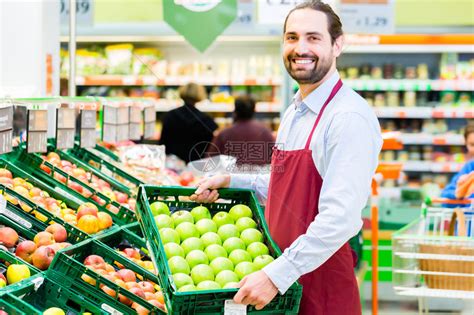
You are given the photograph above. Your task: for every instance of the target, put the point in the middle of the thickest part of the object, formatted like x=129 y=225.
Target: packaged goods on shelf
x=119 y=58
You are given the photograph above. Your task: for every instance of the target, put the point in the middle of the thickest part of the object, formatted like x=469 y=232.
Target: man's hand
x=256 y=289
x=206 y=191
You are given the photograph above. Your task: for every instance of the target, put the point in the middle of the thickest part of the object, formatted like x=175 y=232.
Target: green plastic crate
x=31 y=163
x=7 y=257
x=124 y=237
x=107 y=152
x=67 y=268
x=15 y=306
x=211 y=301
x=26 y=218
x=37 y=296
x=102 y=165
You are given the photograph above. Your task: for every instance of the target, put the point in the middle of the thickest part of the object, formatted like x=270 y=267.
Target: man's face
x=308 y=53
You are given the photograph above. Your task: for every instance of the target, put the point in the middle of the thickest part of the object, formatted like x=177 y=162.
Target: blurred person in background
x=248 y=140
x=187 y=131
x=462 y=184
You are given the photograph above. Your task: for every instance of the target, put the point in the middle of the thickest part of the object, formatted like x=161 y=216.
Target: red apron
x=295 y=185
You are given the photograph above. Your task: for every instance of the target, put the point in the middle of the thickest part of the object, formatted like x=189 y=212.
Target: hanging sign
x=199 y=21
x=87 y=122
x=149 y=118
x=115 y=123
x=65 y=128
x=6 y=128
x=136 y=121
x=37 y=130
x=368 y=16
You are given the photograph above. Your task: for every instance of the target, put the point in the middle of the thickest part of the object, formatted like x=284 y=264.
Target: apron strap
x=334 y=91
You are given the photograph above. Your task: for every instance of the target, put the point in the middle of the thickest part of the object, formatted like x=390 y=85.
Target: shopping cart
x=433 y=256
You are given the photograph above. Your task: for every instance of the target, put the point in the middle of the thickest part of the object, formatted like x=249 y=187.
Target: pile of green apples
x=210 y=253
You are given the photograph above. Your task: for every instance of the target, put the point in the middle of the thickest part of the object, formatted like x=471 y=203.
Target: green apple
x=208 y=285
x=233 y=243
x=159 y=207
x=178 y=264
x=221 y=263
x=192 y=243
x=186 y=230
x=245 y=223
x=262 y=261
x=244 y=268
x=250 y=236
x=226 y=276
x=206 y=225
x=168 y=235
x=182 y=279
x=239 y=255
x=227 y=231
x=222 y=218
x=202 y=273
x=200 y=212
x=240 y=211
x=257 y=249
x=164 y=221
x=173 y=249
x=188 y=287
x=182 y=216
x=196 y=257
x=211 y=238
x=231 y=285
x=3 y=283
x=213 y=251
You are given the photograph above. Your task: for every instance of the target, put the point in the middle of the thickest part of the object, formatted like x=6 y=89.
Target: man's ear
x=338 y=45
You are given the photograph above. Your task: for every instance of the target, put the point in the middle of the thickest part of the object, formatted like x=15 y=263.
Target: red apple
x=5 y=173
x=25 y=250
x=109 y=291
x=8 y=236
x=95 y=261
x=127 y=275
x=132 y=253
x=42 y=257
x=58 y=231
x=146 y=286
x=35 y=191
x=75 y=186
x=6 y=181
x=64 y=163
x=53 y=156
x=44 y=239
x=121 y=197
x=140 y=310
x=138 y=292
x=86 y=208
x=105 y=220
x=45 y=169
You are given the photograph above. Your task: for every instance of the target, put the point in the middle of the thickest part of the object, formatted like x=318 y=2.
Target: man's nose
x=302 y=47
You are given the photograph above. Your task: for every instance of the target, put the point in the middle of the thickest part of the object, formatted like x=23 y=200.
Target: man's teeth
x=304 y=61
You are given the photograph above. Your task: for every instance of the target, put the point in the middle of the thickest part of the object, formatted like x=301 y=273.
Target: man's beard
x=310 y=76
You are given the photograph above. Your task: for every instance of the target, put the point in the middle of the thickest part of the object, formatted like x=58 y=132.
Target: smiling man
x=322 y=167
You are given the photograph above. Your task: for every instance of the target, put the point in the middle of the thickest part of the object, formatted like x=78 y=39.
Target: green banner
x=199 y=21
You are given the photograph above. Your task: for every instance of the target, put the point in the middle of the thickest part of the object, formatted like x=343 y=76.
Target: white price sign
x=84 y=12
x=368 y=16
x=274 y=11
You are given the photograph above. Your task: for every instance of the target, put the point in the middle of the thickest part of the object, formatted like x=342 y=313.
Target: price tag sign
x=274 y=11
x=135 y=115
x=149 y=131
x=6 y=129
x=84 y=12
x=150 y=114
x=37 y=131
x=368 y=16
x=232 y=308
x=115 y=125
x=87 y=128
x=65 y=128
x=136 y=120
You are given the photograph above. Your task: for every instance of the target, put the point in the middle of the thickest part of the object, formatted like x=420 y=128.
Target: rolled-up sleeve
x=257 y=182
x=351 y=157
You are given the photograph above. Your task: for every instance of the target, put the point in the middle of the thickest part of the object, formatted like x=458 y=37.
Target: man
x=245 y=129
x=326 y=155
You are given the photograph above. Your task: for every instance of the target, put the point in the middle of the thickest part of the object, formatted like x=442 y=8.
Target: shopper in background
x=245 y=132
x=460 y=186
x=322 y=167
x=187 y=131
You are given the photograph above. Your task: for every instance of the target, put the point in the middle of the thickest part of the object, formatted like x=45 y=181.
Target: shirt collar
x=315 y=100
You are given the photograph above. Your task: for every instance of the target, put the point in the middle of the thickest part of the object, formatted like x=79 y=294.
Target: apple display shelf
x=68 y=269
x=109 y=168
x=31 y=163
x=6 y=259
x=205 y=301
x=39 y=293
x=75 y=233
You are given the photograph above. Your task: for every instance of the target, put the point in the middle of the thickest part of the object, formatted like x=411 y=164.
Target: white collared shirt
x=345 y=149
